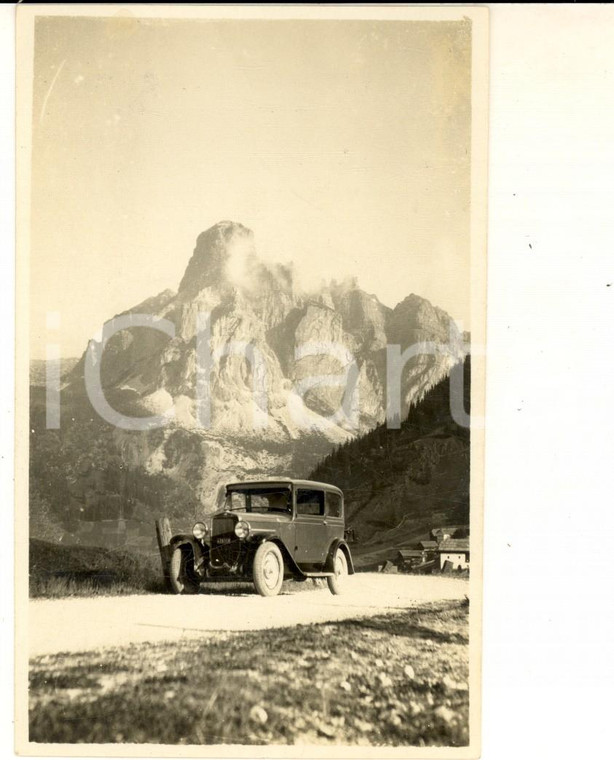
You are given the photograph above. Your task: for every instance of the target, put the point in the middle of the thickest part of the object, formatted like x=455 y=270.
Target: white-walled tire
x=268 y=569
x=337 y=582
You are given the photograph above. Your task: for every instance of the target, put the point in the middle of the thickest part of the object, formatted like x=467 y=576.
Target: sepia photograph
x=251 y=308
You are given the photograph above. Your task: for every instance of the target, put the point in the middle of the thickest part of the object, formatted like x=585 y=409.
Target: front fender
x=200 y=551
x=288 y=559
x=339 y=543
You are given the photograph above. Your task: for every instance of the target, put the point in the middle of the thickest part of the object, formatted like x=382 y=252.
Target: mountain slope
x=399 y=484
x=38 y=369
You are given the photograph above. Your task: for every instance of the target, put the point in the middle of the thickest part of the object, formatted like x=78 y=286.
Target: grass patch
x=391 y=680
x=59 y=571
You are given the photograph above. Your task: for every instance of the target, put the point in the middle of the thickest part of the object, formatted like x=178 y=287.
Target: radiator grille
x=225 y=546
x=223 y=526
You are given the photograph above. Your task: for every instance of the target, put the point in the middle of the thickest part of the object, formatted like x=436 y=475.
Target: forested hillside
x=79 y=479
x=399 y=484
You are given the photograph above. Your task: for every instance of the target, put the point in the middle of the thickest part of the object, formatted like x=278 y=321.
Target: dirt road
x=74 y=625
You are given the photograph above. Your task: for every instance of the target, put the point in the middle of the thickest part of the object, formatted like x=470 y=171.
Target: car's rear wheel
x=337 y=582
x=268 y=569
x=182 y=576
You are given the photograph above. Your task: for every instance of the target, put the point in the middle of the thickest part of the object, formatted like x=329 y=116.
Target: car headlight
x=199 y=531
x=242 y=529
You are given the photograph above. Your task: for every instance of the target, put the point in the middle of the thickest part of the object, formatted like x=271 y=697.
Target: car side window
x=309 y=502
x=333 y=504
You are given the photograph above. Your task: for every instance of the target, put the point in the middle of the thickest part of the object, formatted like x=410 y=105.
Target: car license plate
x=224 y=540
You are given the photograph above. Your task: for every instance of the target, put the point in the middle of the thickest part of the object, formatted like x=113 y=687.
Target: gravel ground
x=83 y=624
x=398 y=678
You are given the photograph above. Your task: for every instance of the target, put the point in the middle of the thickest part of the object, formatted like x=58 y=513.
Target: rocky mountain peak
x=415 y=319
x=220 y=249
x=296 y=336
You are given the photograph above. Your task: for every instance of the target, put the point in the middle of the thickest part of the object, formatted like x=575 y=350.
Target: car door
x=335 y=522
x=311 y=538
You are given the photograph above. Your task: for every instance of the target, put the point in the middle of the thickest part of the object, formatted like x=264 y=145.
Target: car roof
x=286 y=481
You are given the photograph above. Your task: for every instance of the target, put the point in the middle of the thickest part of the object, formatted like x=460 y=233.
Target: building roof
x=410 y=553
x=428 y=544
x=454 y=545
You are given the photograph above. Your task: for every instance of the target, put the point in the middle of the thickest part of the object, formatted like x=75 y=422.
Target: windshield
x=265 y=499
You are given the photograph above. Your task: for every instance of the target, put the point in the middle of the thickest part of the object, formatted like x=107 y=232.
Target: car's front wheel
x=268 y=569
x=337 y=582
x=182 y=576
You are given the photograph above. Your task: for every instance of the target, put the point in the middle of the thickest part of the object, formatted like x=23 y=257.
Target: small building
x=406 y=559
x=454 y=551
x=441 y=534
x=415 y=561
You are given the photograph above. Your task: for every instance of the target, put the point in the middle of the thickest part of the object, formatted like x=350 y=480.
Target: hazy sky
x=344 y=145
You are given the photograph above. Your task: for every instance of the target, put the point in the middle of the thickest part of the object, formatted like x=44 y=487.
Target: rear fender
x=338 y=543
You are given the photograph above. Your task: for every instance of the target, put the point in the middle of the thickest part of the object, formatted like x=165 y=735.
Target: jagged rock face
x=365 y=318
x=214 y=249
x=415 y=320
x=294 y=338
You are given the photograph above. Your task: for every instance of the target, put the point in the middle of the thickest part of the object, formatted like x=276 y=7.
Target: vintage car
x=267 y=530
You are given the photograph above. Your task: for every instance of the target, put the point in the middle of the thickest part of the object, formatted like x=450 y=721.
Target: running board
x=318 y=575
